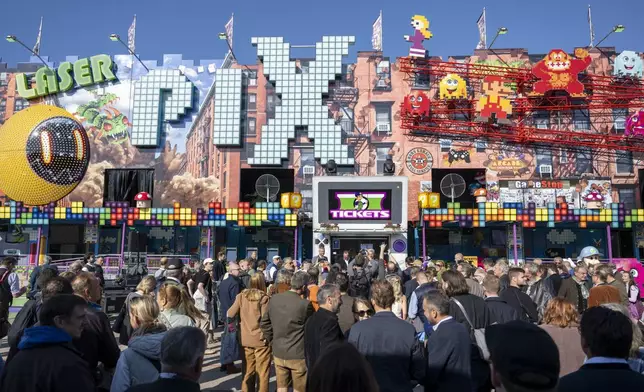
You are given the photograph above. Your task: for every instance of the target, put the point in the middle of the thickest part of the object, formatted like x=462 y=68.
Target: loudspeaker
x=137 y=242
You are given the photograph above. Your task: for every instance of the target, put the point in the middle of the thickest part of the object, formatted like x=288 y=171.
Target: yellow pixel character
x=452 y=87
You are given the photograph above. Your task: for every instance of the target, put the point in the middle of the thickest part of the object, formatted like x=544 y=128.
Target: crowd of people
x=357 y=323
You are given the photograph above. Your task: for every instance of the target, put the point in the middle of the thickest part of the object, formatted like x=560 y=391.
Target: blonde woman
x=251 y=304
x=399 y=308
x=139 y=363
x=171 y=300
x=122 y=324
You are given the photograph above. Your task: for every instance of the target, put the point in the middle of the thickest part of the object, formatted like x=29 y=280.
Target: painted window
x=541 y=119
x=446 y=144
x=252 y=101
x=383 y=118
x=223 y=181
x=563 y=155
x=383 y=75
x=619 y=119
x=584 y=162
x=580 y=117
x=624 y=161
x=421 y=80
x=20 y=104
x=544 y=156
x=382 y=152
x=627 y=196
x=251 y=128
x=346 y=122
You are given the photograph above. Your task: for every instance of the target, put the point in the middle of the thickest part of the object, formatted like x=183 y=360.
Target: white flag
x=36 y=49
x=376 y=35
x=482 y=32
x=592 y=30
x=229 y=31
x=131 y=35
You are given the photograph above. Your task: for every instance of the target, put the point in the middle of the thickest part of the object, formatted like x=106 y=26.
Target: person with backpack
x=360 y=282
x=139 y=363
x=9 y=289
x=471 y=311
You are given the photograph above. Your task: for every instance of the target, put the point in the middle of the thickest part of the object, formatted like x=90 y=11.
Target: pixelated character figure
x=480 y=195
x=417 y=104
x=594 y=200
x=559 y=71
x=452 y=87
x=635 y=124
x=628 y=63
x=361 y=202
x=493 y=107
x=421 y=33
x=458 y=155
x=143 y=200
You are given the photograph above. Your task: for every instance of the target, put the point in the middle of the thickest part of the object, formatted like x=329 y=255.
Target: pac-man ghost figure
x=628 y=63
x=635 y=124
x=417 y=104
x=452 y=87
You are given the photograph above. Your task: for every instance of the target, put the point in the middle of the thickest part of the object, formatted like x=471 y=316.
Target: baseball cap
x=208 y=261
x=276 y=257
x=174 y=264
x=587 y=252
x=524 y=355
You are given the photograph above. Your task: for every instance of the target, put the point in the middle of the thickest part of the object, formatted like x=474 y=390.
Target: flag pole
x=590 y=27
x=484 y=29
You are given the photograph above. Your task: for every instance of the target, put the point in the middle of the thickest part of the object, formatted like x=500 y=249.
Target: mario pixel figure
x=493 y=106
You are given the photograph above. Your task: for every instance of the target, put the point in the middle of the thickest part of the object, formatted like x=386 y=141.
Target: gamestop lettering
x=350 y=214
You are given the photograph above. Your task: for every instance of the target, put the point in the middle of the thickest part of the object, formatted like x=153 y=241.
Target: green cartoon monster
x=102 y=116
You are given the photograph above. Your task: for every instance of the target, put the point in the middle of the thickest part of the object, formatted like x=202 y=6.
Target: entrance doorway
x=355 y=244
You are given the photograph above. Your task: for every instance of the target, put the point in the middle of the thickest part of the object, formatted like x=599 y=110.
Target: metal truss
x=580 y=123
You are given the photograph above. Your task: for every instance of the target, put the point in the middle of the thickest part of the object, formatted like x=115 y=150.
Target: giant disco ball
x=44 y=153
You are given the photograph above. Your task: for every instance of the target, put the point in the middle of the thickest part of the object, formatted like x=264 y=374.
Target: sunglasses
x=363 y=313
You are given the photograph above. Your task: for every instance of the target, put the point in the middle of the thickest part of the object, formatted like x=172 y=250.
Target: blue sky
x=190 y=27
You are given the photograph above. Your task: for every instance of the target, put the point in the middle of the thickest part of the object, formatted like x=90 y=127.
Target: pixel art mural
x=559 y=71
x=417 y=103
x=301 y=95
x=122 y=116
x=628 y=63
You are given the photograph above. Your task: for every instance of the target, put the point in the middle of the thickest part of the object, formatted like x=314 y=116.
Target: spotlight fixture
x=331 y=168
x=389 y=167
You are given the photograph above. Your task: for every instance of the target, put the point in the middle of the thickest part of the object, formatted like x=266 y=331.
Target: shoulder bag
x=479 y=334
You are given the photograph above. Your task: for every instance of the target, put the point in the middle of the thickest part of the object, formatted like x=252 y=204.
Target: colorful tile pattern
x=530 y=216
x=117 y=213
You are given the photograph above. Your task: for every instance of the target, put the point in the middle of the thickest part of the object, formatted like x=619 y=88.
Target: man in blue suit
x=448 y=348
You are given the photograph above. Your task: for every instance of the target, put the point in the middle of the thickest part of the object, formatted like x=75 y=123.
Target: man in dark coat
x=389 y=343
x=411 y=284
x=448 y=348
x=500 y=311
x=228 y=290
x=606 y=338
x=574 y=289
x=182 y=353
x=46 y=360
x=283 y=328
x=322 y=329
x=416 y=301
x=34 y=287
x=345 y=313
x=97 y=342
x=519 y=300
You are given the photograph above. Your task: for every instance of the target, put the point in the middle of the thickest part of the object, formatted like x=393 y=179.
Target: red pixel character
x=417 y=104
x=558 y=71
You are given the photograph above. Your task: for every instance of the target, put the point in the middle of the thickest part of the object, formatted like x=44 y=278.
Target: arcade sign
x=83 y=72
x=543 y=184
x=360 y=205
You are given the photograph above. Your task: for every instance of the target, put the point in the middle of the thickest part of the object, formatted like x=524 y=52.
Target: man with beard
x=322 y=328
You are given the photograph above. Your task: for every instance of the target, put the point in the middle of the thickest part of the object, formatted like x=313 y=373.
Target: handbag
x=479 y=333
x=118 y=323
x=200 y=300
